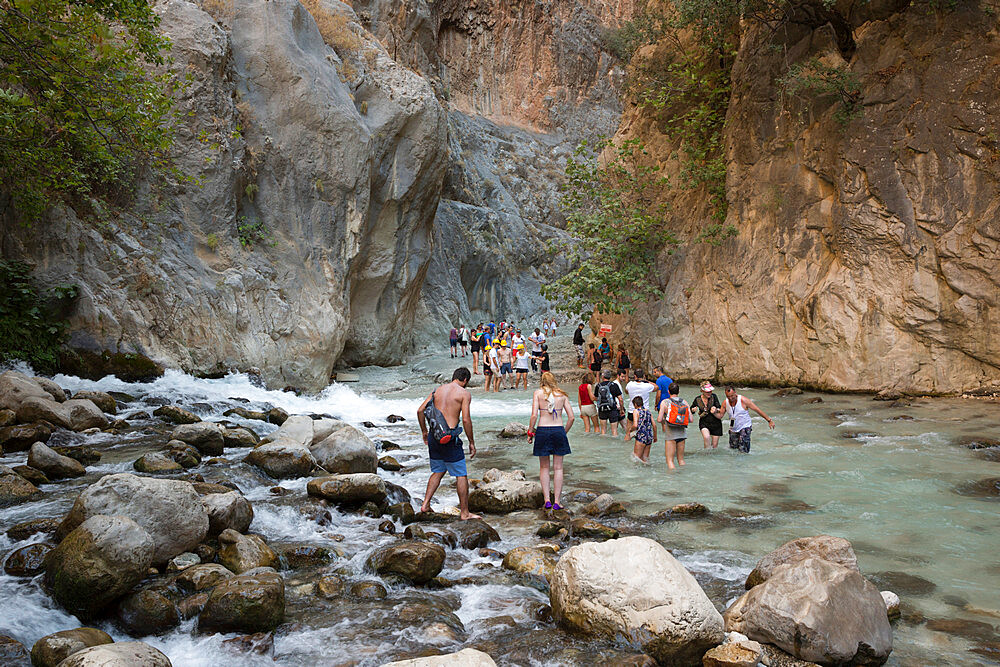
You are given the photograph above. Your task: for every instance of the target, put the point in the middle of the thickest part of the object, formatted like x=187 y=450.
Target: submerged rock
x=27 y=561
x=26 y=529
x=634 y=589
x=417 y=561
x=514 y=430
x=253 y=602
x=98 y=562
x=52 y=649
x=816 y=610
x=13 y=652
x=120 y=654
x=833 y=549
x=368 y=590
x=170 y=510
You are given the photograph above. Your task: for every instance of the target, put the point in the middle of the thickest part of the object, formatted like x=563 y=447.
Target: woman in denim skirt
x=547 y=407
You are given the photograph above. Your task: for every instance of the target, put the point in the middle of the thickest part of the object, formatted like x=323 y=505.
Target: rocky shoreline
x=166 y=545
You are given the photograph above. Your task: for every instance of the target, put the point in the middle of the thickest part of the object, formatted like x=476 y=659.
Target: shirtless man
x=449 y=457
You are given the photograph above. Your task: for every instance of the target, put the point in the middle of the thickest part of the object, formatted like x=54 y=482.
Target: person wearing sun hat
x=489 y=363
x=710 y=423
x=521 y=361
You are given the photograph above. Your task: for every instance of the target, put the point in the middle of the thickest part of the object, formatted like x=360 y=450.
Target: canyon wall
x=867 y=255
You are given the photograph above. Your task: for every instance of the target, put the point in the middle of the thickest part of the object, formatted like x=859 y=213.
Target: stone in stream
x=261 y=643
x=530 y=562
x=170 y=510
x=787 y=391
x=603 y=505
x=119 y=654
x=277 y=416
x=389 y=464
x=183 y=561
x=983 y=488
x=7 y=418
x=239 y=437
x=549 y=529
x=467 y=657
x=392 y=419
x=227 y=510
x=903 y=582
x=305 y=556
x=13 y=653
x=504 y=492
x=368 y=590
x=35 y=409
x=201 y=577
x=816 y=610
x=52 y=649
x=246 y=414
x=330 y=586
x=176 y=415
x=83 y=415
x=98 y=562
x=417 y=561
x=82 y=453
x=834 y=549
x=634 y=590
x=474 y=533
x=27 y=561
x=103 y=400
x=36 y=477
x=734 y=654
x=349 y=489
x=15 y=387
x=22 y=436
x=242 y=553
x=25 y=529
x=207 y=437
x=14 y=488
x=156 y=462
x=252 y=602
x=588 y=528
x=346 y=450
x=387 y=527
x=402 y=512
x=961 y=627
x=891 y=604
x=282 y=460
x=514 y=430
x=147 y=612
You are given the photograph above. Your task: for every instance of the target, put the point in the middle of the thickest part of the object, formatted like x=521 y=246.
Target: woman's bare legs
x=707 y=437
x=586 y=421
x=557 y=477
x=543 y=475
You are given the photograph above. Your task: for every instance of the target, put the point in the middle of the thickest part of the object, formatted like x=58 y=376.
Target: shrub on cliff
x=80 y=111
x=29 y=328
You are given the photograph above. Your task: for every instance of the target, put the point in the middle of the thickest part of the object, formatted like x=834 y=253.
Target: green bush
x=29 y=328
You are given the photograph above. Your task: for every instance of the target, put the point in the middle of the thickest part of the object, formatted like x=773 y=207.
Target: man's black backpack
x=605 y=401
x=437 y=425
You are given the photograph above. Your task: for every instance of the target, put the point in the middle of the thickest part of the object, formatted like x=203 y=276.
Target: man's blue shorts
x=453 y=468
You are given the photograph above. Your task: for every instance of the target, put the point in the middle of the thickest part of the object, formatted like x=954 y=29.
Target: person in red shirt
x=588 y=409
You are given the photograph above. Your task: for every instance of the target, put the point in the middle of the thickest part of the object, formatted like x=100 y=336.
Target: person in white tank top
x=740 y=426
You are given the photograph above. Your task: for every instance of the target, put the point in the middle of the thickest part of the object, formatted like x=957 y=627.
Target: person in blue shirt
x=663 y=382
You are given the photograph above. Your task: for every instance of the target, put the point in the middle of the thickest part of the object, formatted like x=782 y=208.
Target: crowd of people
x=601 y=401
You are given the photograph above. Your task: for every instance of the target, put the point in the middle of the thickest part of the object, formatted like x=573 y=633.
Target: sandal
x=556 y=506
x=548 y=504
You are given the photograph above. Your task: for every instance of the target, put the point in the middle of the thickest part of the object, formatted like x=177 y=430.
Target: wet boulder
x=603 y=505
x=298 y=429
x=282 y=460
x=514 y=430
x=176 y=415
x=201 y=577
x=82 y=453
x=102 y=399
x=242 y=553
x=305 y=555
x=51 y=388
x=26 y=561
x=503 y=492
x=733 y=654
x=14 y=488
x=52 y=649
x=7 y=418
x=36 y=409
x=55 y=466
x=467 y=657
x=345 y=450
x=417 y=561
x=816 y=610
x=253 y=602
x=147 y=612
x=227 y=511
x=156 y=463
x=245 y=413
x=98 y=562
x=83 y=414
x=25 y=529
x=530 y=562
x=36 y=477
x=368 y=590
x=120 y=654
x=633 y=589
x=183 y=561
x=588 y=528
x=892 y=603
x=207 y=437
x=13 y=653
x=170 y=510
x=389 y=464
x=16 y=387
x=20 y=437
x=351 y=489
x=474 y=533
x=239 y=437
x=834 y=549
x=183 y=454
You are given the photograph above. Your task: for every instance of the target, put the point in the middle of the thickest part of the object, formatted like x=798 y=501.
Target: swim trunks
x=740 y=439
x=453 y=468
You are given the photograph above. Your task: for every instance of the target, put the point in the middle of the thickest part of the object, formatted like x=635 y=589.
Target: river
x=892 y=478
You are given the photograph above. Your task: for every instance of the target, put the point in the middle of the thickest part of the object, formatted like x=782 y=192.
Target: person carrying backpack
x=641 y=427
x=675 y=415
x=608 y=397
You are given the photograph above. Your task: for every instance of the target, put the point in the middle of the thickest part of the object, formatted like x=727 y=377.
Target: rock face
x=865 y=252
x=52 y=649
x=633 y=588
x=417 y=561
x=817 y=611
x=834 y=549
x=97 y=563
x=120 y=654
x=170 y=510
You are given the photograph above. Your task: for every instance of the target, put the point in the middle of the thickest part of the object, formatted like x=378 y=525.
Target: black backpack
x=437 y=425
x=605 y=401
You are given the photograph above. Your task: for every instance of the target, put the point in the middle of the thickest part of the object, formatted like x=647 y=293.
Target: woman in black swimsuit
x=477 y=337
x=596 y=358
x=707 y=404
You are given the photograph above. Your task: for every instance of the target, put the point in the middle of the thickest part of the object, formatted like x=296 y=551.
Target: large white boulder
x=120 y=654
x=834 y=549
x=818 y=611
x=170 y=510
x=634 y=590
x=467 y=657
x=345 y=450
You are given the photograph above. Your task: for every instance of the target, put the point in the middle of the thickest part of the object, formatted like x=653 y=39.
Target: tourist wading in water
x=642 y=428
x=710 y=422
x=550 y=439
x=675 y=415
x=737 y=408
x=439 y=415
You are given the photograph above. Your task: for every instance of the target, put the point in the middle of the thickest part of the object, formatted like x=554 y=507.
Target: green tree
x=617 y=225
x=30 y=330
x=80 y=110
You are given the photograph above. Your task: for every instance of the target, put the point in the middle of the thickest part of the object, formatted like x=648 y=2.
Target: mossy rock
x=128 y=367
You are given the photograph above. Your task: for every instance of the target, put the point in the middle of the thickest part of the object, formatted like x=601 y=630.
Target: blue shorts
x=504 y=369
x=453 y=468
x=550 y=441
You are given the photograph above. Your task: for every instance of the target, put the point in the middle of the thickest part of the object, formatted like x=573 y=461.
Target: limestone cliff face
x=329 y=166
x=868 y=256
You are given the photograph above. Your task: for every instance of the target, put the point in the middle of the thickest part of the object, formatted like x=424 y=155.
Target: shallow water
x=891 y=491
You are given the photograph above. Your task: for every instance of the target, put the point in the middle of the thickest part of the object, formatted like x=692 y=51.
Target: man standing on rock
x=738 y=408
x=439 y=417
